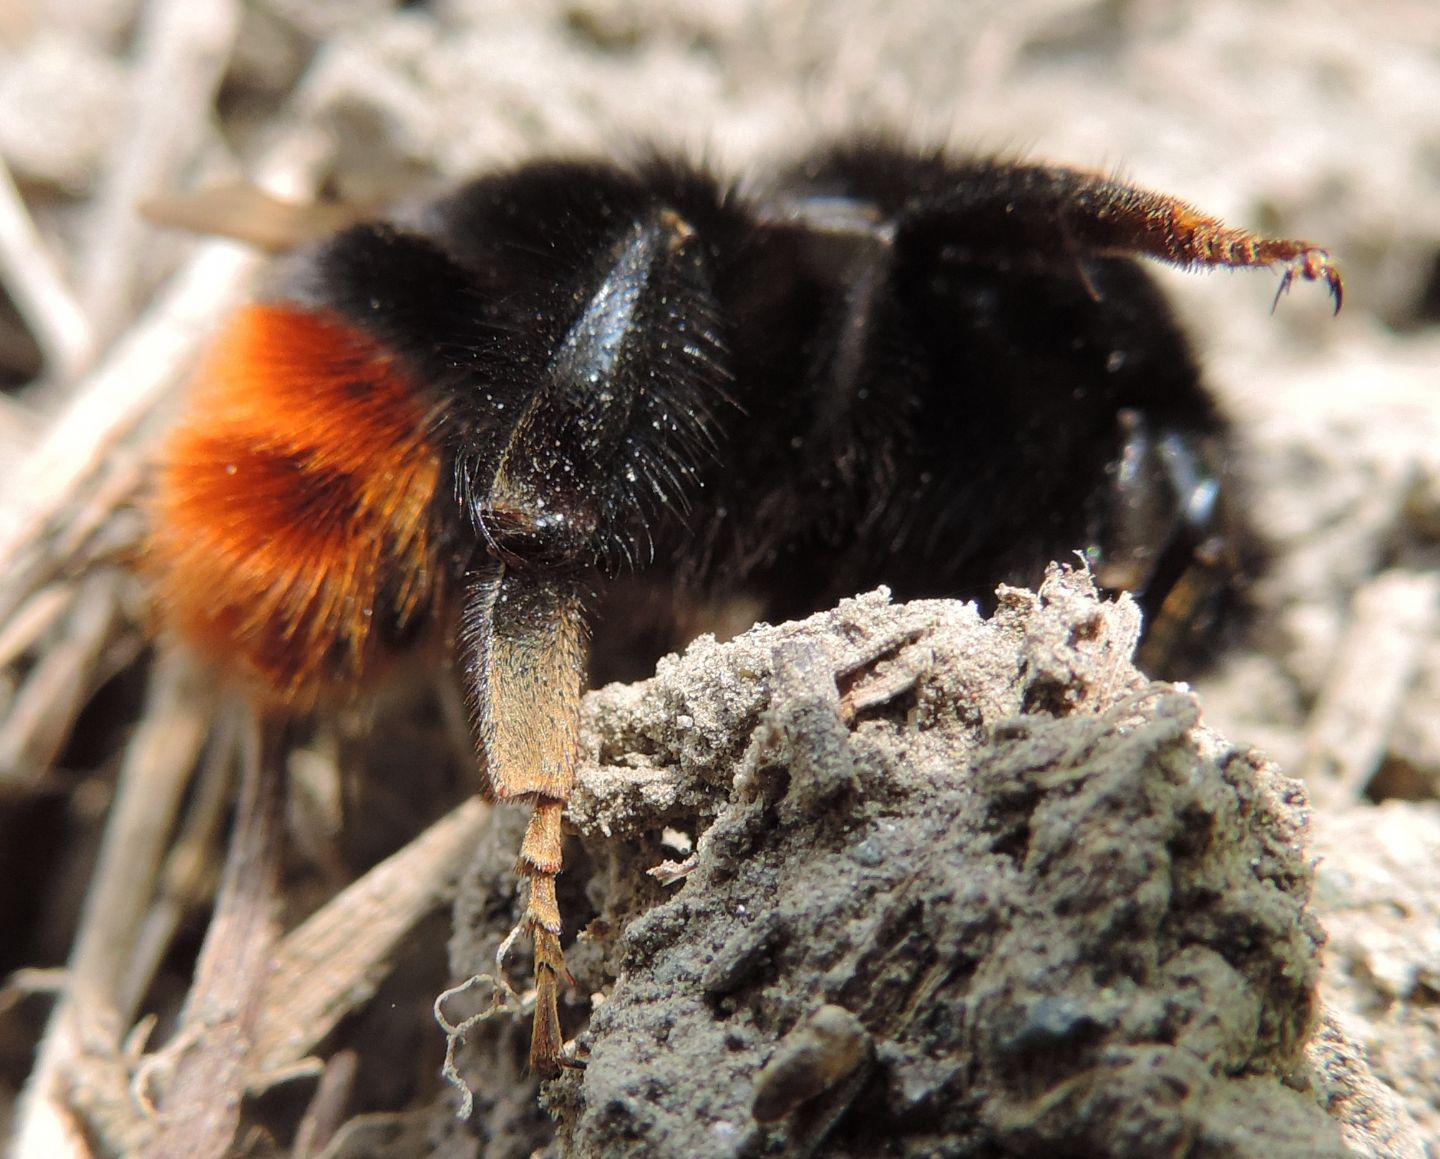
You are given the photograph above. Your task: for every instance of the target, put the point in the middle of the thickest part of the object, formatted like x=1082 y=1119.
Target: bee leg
x=1160 y=226
x=1041 y=210
x=524 y=642
x=540 y=862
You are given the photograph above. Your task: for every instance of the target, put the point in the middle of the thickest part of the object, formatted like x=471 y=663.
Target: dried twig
x=200 y=1109
x=34 y=282
x=40 y=720
x=333 y=962
x=327 y=1108
x=184 y=49
x=1392 y=617
x=188 y=861
x=91 y=1017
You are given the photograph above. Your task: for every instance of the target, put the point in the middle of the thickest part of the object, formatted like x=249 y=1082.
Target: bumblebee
x=578 y=409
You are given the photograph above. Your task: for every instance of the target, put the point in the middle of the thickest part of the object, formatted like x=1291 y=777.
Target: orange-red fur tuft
x=294 y=518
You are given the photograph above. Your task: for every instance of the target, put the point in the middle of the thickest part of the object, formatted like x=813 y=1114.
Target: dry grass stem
x=1392 y=618
x=332 y=963
x=200 y=1108
x=90 y=1018
x=32 y=277
x=184 y=49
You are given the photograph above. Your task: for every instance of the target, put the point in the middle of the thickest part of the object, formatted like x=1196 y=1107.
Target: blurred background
x=1302 y=118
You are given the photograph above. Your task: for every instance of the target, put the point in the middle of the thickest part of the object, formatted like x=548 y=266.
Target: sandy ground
x=1303 y=119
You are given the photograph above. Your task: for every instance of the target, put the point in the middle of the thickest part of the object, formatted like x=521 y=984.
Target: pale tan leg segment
x=528 y=639
x=540 y=861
